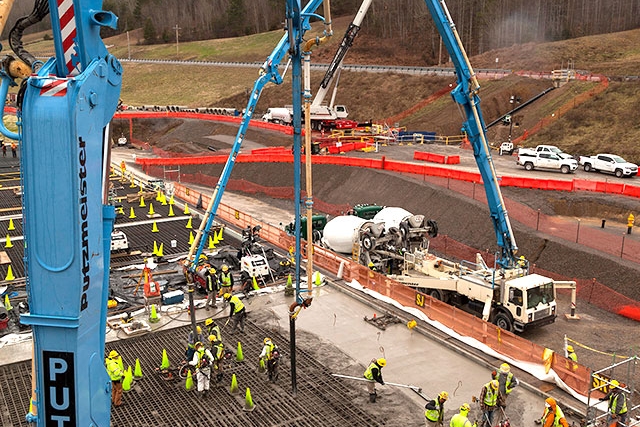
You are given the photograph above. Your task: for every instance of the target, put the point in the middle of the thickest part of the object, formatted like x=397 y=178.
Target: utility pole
x=177 y=35
x=128 y=47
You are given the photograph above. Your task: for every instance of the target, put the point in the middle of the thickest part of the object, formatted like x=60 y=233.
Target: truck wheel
x=368 y=242
x=565 y=169
x=437 y=294
x=528 y=166
x=503 y=321
x=587 y=167
x=619 y=173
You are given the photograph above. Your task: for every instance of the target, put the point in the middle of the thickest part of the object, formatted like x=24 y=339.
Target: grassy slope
x=608 y=122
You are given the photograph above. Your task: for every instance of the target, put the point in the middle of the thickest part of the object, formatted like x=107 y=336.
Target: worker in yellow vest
x=237 y=312
x=115 y=369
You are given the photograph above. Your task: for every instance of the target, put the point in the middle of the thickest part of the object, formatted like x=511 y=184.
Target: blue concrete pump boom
x=466 y=94
x=63 y=114
x=268 y=73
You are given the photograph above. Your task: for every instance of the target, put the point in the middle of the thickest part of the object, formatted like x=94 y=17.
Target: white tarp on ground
x=537 y=370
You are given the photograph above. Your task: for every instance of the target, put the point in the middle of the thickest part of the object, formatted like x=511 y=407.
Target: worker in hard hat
x=461 y=419
x=553 y=415
x=571 y=354
x=237 y=312
x=218 y=351
x=213 y=287
x=191 y=342
x=489 y=401
x=373 y=373
x=434 y=410
x=213 y=329
x=617 y=404
x=507 y=382
x=270 y=355
x=225 y=280
x=202 y=360
x=115 y=369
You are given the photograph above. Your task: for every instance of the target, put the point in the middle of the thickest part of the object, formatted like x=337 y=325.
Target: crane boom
x=338 y=58
x=466 y=94
x=268 y=73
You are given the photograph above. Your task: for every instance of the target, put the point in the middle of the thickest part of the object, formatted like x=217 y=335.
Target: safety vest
x=491 y=396
x=507 y=385
x=202 y=355
x=225 y=278
x=219 y=348
x=558 y=416
x=270 y=347
x=460 y=420
x=215 y=330
x=433 y=414
x=573 y=357
x=368 y=374
x=237 y=304
x=613 y=403
x=114 y=369
x=212 y=282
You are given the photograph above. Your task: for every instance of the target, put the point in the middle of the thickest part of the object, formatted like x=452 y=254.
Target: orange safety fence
x=287 y=130
x=574 y=375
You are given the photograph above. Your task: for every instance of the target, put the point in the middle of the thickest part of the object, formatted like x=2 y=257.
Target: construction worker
x=461 y=420
x=115 y=369
x=212 y=288
x=507 y=382
x=270 y=355
x=571 y=354
x=489 y=401
x=553 y=415
x=373 y=373
x=213 y=329
x=237 y=312
x=434 y=410
x=202 y=360
x=218 y=352
x=14 y=147
x=191 y=342
x=617 y=404
x=225 y=280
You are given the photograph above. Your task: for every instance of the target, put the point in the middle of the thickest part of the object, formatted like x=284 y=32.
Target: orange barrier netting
x=574 y=375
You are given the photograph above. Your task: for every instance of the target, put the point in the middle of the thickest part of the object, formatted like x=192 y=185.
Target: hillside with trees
x=484 y=25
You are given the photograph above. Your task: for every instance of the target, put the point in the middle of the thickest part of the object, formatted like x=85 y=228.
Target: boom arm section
x=268 y=73
x=338 y=58
x=65 y=114
x=466 y=94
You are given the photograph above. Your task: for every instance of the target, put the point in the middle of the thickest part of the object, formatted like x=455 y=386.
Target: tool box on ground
x=173 y=297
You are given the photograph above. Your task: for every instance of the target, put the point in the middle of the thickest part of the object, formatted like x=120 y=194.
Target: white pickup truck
x=609 y=163
x=547 y=160
x=542 y=149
